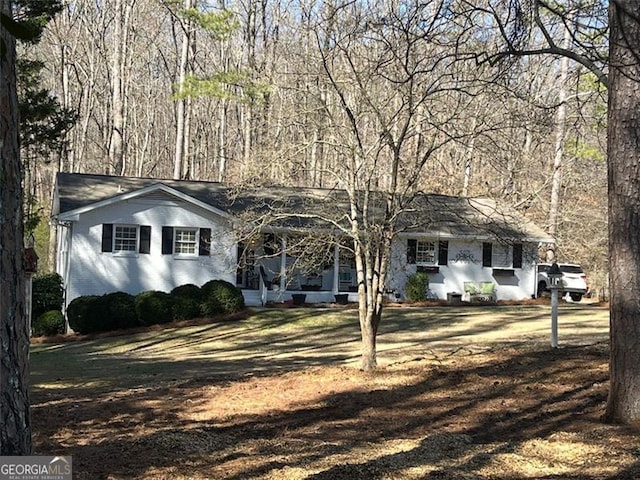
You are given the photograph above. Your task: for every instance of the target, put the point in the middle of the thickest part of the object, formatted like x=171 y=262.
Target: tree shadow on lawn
x=261 y=346
x=444 y=420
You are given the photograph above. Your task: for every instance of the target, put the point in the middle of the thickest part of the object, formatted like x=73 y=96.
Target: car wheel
x=542 y=288
x=576 y=297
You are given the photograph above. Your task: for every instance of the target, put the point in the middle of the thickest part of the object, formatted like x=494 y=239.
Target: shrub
x=81 y=314
x=416 y=288
x=49 y=323
x=118 y=311
x=47 y=294
x=90 y=314
x=153 y=307
x=220 y=296
x=189 y=290
x=186 y=301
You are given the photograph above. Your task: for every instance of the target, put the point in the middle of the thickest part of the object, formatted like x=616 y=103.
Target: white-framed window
x=125 y=238
x=425 y=252
x=501 y=256
x=185 y=241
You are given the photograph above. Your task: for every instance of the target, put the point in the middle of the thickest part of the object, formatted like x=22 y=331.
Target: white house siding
x=93 y=272
x=464 y=264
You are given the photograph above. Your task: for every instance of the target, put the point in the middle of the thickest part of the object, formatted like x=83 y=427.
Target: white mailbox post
x=555 y=284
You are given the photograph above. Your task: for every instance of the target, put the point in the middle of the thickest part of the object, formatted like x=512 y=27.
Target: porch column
x=283 y=264
x=336 y=268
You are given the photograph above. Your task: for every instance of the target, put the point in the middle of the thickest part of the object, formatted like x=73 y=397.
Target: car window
x=543 y=268
x=570 y=269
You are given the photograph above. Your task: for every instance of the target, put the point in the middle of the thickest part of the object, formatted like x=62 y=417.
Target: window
x=502 y=256
x=126 y=238
x=423 y=252
x=184 y=241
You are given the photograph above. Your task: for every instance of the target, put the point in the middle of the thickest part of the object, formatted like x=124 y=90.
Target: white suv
x=574 y=280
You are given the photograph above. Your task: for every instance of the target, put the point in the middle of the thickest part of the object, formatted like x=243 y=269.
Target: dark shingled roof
x=310 y=207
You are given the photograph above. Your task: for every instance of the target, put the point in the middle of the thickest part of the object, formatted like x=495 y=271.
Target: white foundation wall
x=92 y=272
x=465 y=265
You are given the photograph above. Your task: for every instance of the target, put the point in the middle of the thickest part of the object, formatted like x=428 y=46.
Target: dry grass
x=276 y=396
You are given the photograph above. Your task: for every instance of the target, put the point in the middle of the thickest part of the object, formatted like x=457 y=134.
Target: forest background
x=249 y=93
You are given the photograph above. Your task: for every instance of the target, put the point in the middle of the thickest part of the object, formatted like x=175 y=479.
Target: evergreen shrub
x=220 y=297
x=417 y=286
x=48 y=324
x=81 y=314
x=186 y=301
x=118 y=311
x=154 y=307
x=46 y=294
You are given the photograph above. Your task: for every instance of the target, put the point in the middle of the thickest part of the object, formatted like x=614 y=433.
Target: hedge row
x=120 y=310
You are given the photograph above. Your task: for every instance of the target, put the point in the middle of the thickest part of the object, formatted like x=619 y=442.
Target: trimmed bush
x=416 y=288
x=118 y=311
x=186 y=301
x=81 y=314
x=153 y=307
x=113 y=311
x=219 y=297
x=47 y=294
x=188 y=290
x=49 y=323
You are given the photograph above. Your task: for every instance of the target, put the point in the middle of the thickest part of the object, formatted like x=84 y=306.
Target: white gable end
x=154 y=214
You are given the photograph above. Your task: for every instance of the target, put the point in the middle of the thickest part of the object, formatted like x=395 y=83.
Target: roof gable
x=73 y=199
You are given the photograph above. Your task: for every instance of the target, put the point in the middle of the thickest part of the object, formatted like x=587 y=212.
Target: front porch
x=258 y=298
x=285 y=268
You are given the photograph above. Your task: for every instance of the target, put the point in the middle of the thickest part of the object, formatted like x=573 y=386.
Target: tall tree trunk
x=623 y=147
x=181 y=103
x=116 y=141
x=468 y=156
x=15 y=424
x=222 y=138
x=560 y=134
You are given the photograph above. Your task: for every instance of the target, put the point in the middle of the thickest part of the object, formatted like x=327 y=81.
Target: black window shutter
x=145 y=239
x=517 y=255
x=412 y=247
x=107 y=237
x=167 y=240
x=205 y=242
x=487 y=253
x=443 y=252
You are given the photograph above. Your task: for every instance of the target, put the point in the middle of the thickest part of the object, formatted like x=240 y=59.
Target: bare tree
x=182 y=103
x=119 y=55
x=560 y=138
x=395 y=100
